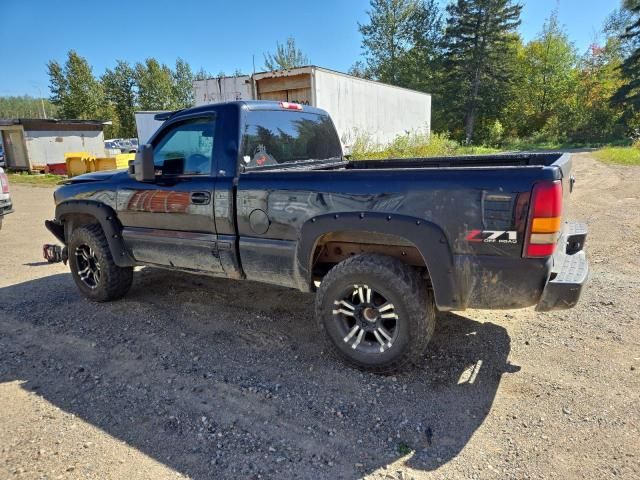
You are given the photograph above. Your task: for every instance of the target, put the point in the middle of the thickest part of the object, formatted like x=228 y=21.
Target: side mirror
x=142 y=168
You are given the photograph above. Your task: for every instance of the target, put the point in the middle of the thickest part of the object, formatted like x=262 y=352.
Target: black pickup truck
x=261 y=191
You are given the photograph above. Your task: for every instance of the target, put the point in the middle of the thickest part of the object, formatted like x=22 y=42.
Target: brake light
x=4 y=182
x=290 y=106
x=545 y=219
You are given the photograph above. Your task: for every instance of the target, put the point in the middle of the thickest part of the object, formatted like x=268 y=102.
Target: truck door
x=170 y=222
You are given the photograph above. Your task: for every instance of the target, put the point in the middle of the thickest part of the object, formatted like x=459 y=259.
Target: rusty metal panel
x=277 y=96
x=294 y=82
x=300 y=95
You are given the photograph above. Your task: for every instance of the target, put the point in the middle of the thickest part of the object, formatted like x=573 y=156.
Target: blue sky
x=216 y=35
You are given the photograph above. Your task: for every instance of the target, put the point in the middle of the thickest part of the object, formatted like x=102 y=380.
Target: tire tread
x=401 y=277
x=115 y=281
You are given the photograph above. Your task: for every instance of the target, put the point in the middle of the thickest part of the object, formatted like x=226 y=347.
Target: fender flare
x=108 y=220
x=428 y=238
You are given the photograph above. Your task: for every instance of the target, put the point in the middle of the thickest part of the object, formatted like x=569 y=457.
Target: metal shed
x=357 y=106
x=32 y=144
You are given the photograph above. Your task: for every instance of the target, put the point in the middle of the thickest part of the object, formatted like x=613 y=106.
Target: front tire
x=377 y=312
x=95 y=273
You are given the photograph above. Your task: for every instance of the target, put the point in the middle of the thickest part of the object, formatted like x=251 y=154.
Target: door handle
x=200 y=198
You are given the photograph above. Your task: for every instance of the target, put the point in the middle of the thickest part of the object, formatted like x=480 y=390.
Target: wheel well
x=334 y=247
x=74 y=220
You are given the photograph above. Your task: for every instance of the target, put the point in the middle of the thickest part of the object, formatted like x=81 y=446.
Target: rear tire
x=377 y=313
x=95 y=273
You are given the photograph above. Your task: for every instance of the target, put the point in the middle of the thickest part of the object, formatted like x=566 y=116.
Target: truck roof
x=247 y=104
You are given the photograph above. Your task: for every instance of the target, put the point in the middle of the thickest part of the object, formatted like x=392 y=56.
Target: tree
x=74 y=89
x=479 y=51
x=57 y=84
x=183 y=84
x=551 y=74
x=286 y=56
x=615 y=27
x=120 y=90
x=26 y=107
x=202 y=74
x=545 y=80
x=155 y=86
x=387 y=37
x=629 y=93
x=421 y=64
x=599 y=76
x=359 y=69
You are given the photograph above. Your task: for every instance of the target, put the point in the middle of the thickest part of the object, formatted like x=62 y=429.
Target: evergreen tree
x=629 y=93
x=615 y=27
x=285 y=57
x=119 y=86
x=479 y=57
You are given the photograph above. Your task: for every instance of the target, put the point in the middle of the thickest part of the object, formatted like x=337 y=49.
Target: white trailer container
x=357 y=106
x=146 y=125
x=222 y=89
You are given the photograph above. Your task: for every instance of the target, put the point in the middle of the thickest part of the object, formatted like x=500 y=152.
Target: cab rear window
x=278 y=137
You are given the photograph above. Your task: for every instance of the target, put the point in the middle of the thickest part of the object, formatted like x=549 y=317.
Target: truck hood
x=95 y=177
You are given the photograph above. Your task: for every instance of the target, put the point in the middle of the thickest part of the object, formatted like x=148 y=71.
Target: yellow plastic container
x=78 y=163
x=104 y=163
x=122 y=159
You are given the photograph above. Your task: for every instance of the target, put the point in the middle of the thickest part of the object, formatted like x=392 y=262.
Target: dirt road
x=207 y=378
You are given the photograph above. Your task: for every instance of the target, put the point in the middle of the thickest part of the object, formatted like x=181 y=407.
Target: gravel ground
x=205 y=378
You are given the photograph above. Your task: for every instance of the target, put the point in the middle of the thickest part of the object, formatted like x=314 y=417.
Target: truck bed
x=495 y=160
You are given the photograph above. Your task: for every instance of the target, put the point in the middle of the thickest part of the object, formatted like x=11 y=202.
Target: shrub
x=496 y=134
x=411 y=145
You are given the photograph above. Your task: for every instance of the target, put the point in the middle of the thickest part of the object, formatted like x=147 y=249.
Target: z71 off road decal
x=492 y=236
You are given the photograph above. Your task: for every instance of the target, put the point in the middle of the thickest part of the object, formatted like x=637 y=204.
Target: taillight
x=290 y=106
x=4 y=181
x=545 y=219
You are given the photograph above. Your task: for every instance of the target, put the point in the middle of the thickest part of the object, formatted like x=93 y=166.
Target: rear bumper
x=569 y=273
x=500 y=282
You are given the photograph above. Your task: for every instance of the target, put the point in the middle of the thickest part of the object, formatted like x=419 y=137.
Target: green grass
x=532 y=144
x=413 y=145
x=38 y=180
x=620 y=155
x=404 y=449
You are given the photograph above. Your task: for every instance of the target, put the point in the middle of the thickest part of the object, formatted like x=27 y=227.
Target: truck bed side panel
x=457 y=201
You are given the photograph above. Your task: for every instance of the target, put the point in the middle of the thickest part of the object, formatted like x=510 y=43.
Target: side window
x=186 y=148
x=273 y=137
